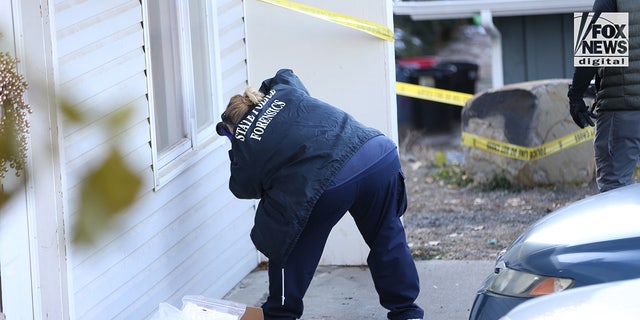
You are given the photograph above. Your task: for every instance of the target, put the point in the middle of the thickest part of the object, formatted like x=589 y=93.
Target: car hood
x=601 y=231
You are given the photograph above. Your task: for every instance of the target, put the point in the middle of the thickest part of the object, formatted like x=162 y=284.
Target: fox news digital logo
x=601 y=42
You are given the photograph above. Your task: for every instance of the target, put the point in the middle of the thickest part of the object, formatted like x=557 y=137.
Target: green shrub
x=452 y=175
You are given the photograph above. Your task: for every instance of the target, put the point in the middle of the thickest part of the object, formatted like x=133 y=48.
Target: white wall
x=14 y=226
x=189 y=237
x=342 y=66
x=32 y=259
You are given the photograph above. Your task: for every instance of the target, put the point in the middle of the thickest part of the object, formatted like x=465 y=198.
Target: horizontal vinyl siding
x=169 y=208
x=191 y=236
x=133 y=130
x=94 y=55
x=125 y=93
x=107 y=75
x=188 y=232
x=94 y=26
x=233 y=52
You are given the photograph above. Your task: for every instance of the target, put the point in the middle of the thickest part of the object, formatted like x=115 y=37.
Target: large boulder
x=527 y=115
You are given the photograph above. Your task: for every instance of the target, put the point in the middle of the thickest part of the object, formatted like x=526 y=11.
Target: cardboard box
x=252 y=313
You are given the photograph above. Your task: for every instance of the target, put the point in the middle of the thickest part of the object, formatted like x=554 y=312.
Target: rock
x=527 y=114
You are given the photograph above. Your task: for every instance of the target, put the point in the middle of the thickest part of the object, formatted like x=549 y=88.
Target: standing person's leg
x=380 y=201
x=604 y=165
x=285 y=299
x=617 y=147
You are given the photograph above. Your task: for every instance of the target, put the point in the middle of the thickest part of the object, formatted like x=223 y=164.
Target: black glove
x=580 y=113
x=222 y=130
x=578 y=109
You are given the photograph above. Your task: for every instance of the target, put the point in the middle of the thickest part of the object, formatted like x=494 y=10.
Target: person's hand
x=580 y=113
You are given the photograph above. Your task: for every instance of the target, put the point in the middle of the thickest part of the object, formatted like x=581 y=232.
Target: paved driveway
x=341 y=293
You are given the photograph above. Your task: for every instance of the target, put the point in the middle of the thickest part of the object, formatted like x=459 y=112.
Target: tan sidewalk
x=347 y=293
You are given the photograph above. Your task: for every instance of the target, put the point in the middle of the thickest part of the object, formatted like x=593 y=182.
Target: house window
x=183 y=82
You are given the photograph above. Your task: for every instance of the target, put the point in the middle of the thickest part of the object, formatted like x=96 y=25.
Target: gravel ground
x=452 y=222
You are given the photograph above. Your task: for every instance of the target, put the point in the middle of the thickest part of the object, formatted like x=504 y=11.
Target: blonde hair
x=239 y=105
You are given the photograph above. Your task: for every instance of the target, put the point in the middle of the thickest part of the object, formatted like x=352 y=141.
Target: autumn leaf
x=71 y=113
x=441 y=159
x=106 y=192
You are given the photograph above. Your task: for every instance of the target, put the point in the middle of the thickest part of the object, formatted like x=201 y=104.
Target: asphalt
x=340 y=293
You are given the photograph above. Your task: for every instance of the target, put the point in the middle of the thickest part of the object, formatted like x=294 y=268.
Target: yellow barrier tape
x=375 y=29
x=433 y=94
x=497 y=147
x=528 y=153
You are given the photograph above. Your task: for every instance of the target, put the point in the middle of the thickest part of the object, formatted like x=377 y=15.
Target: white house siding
x=190 y=236
x=233 y=53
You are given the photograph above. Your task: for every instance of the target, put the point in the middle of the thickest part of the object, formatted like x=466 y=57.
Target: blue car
x=594 y=240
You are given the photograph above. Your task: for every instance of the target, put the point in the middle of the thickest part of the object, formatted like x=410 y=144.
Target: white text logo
x=601 y=41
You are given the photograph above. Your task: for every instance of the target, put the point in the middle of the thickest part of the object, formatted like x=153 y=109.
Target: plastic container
x=203 y=308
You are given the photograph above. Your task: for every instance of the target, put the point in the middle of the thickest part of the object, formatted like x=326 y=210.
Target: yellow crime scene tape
x=528 y=153
x=378 y=30
x=433 y=94
x=493 y=146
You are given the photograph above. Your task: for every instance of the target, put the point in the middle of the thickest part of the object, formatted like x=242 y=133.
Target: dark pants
x=617 y=148
x=376 y=199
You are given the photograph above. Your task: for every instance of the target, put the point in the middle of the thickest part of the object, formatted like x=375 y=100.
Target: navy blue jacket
x=286 y=152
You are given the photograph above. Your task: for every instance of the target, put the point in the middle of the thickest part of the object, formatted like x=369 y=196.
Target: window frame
x=170 y=163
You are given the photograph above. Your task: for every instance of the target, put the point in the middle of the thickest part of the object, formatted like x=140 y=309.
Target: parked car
x=592 y=241
x=613 y=300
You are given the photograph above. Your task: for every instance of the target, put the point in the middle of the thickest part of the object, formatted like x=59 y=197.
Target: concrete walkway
x=347 y=293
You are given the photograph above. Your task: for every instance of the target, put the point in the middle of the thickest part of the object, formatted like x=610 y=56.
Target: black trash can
x=406 y=72
x=435 y=117
x=404 y=103
x=463 y=79
x=430 y=116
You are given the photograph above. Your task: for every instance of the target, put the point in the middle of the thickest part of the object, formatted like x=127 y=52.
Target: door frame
x=38 y=213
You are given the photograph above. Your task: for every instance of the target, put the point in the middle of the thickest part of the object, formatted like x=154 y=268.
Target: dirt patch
x=448 y=221
x=454 y=222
